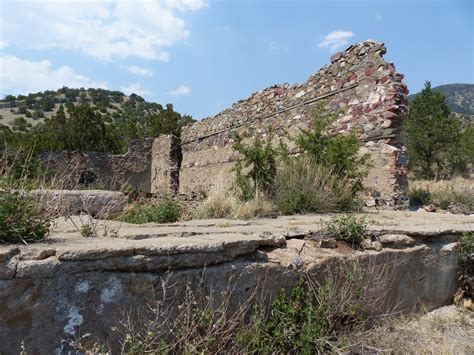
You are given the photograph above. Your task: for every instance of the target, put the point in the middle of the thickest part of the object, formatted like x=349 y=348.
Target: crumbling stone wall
x=359 y=83
x=165 y=165
x=103 y=169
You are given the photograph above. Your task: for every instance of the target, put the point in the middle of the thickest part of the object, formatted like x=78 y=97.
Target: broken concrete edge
x=83 y=285
x=47 y=261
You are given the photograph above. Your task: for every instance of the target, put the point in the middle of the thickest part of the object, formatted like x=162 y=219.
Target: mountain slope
x=460 y=100
x=27 y=111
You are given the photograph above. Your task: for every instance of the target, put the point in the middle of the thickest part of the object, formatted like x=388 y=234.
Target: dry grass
x=447 y=330
x=45 y=191
x=458 y=184
x=226 y=204
x=193 y=321
x=447 y=194
x=304 y=186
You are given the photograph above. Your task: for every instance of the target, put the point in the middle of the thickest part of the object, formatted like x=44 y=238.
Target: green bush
x=338 y=152
x=419 y=196
x=466 y=245
x=295 y=324
x=164 y=212
x=347 y=227
x=87 y=231
x=261 y=158
x=303 y=186
x=21 y=221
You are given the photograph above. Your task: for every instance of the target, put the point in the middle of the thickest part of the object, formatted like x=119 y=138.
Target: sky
x=204 y=55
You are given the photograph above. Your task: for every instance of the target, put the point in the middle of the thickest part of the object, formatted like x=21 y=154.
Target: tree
x=10 y=98
x=338 y=152
x=261 y=157
x=432 y=136
x=20 y=124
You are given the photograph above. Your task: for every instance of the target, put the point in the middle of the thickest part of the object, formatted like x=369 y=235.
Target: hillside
x=460 y=99
x=23 y=112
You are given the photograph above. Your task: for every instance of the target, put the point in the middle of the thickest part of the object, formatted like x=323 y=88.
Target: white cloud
x=378 y=17
x=274 y=46
x=336 y=39
x=185 y=4
x=103 y=30
x=180 y=90
x=18 y=76
x=134 y=88
x=139 y=70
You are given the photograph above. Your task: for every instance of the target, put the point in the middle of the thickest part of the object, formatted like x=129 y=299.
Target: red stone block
x=336 y=57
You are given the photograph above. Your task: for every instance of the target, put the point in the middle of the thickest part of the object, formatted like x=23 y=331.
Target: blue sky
x=203 y=55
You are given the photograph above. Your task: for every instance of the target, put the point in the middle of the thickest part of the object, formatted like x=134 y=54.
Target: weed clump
x=87 y=231
x=21 y=220
x=164 y=212
x=226 y=204
x=347 y=227
x=466 y=245
x=308 y=318
x=419 y=196
x=304 y=186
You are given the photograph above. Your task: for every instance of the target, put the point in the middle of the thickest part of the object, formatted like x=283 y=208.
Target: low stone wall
x=56 y=291
x=107 y=170
x=97 y=203
x=359 y=83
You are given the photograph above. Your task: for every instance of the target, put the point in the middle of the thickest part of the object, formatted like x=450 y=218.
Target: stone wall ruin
x=111 y=171
x=359 y=84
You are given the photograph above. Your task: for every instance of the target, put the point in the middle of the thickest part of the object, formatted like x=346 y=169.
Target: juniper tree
x=432 y=136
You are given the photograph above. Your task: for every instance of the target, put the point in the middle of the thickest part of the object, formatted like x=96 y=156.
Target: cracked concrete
x=76 y=285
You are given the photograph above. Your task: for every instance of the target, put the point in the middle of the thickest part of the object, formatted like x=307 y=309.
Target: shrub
x=87 y=231
x=225 y=204
x=347 y=227
x=20 y=124
x=419 y=196
x=164 y=212
x=338 y=152
x=466 y=245
x=259 y=206
x=304 y=186
x=309 y=318
x=21 y=221
x=463 y=198
x=261 y=157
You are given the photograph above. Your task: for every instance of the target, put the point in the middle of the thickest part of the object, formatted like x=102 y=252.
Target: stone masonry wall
x=165 y=165
x=109 y=170
x=359 y=83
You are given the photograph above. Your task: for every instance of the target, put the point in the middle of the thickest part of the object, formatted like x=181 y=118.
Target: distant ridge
x=113 y=105
x=460 y=100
